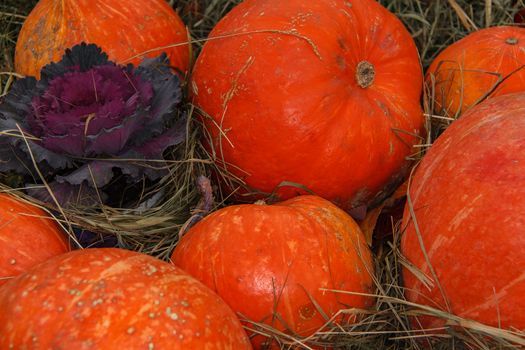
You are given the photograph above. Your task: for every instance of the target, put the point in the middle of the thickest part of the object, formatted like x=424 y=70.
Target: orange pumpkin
x=284 y=259
x=127 y=31
x=320 y=93
x=28 y=236
x=114 y=299
x=486 y=63
x=468 y=197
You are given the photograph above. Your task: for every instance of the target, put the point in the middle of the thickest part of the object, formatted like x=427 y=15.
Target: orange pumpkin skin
x=107 y=298
x=282 y=85
x=468 y=196
x=469 y=69
x=267 y=259
x=124 y=30
x=28 y=236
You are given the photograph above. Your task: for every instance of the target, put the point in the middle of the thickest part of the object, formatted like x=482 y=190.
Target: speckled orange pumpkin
x=28 y=236
x=283 y=259
x=126 y=30
x=109 y=299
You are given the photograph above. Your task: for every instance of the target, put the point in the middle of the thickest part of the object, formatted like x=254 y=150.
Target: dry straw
x=434 y=25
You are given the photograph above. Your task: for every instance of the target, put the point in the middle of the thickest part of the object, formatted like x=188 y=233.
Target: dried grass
x=434 y=24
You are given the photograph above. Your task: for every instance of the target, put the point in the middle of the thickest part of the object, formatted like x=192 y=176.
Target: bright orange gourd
x=265 y=260
x=28 y=236
x=320 y=93
x=488 y=62
x=109 y=299
x=468 y=196
x=127 y=31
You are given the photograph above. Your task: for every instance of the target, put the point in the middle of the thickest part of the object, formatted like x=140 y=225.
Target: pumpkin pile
x=314 y=117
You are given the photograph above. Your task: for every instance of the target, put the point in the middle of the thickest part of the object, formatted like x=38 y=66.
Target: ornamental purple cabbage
x=88 y=119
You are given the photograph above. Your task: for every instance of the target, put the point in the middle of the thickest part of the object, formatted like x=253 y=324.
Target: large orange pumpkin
x=280 y=264
x=28 y=236
x=468 y=197
x=486 y=63
x=127 y=31
x=324 y=94
x=114 y=299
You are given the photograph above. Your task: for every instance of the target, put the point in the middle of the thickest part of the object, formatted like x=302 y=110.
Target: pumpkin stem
x=365 y=74
x=511 y=41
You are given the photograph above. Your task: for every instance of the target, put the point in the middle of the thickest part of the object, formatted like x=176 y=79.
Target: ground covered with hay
x=154 y=223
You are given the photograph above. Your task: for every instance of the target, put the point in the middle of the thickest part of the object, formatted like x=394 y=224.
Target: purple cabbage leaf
x=87 y=119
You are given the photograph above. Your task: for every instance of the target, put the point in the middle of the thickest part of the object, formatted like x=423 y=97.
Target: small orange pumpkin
x=28 y=236
x=485 y=63
x=288 y=259
x=127 y=31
